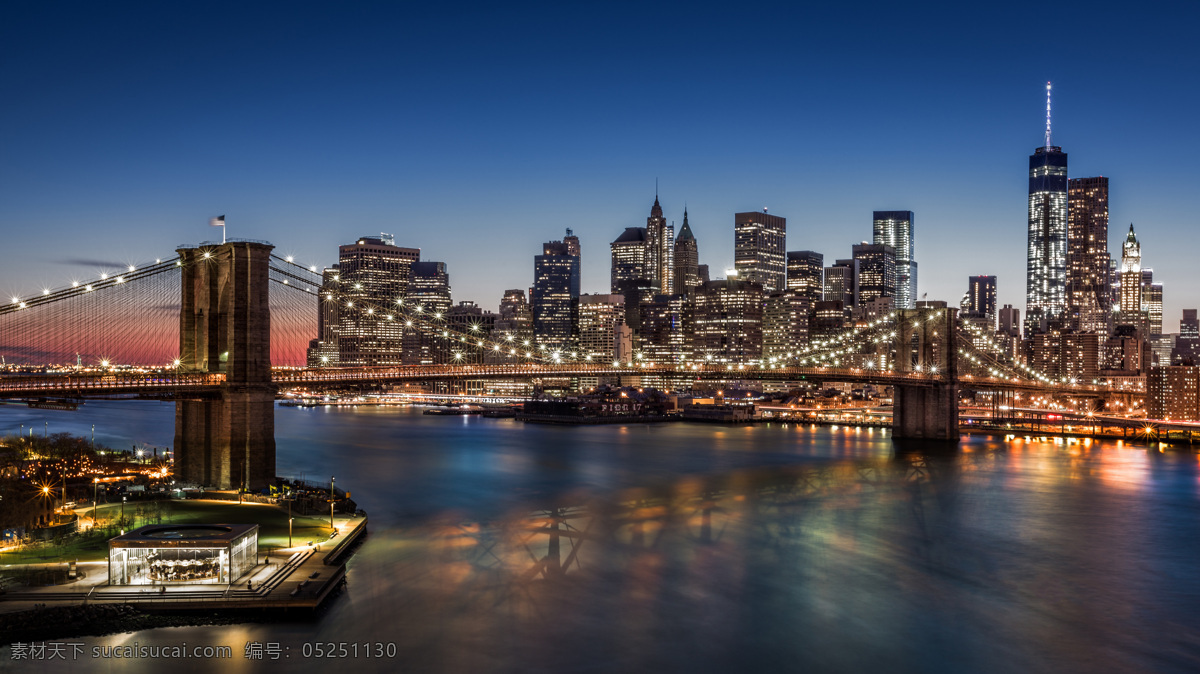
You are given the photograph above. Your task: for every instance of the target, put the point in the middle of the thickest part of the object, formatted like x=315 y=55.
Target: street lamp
x=95 y=497
x=331 y=499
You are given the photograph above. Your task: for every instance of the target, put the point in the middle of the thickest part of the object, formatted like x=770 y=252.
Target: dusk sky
x=477 y=133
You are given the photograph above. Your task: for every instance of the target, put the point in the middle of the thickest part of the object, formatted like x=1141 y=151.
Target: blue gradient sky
x=477 y=133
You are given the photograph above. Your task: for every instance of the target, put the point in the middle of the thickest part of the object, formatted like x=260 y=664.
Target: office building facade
x=1046 y=268
x=1173 y=393
x=1088 y=288
x=429 y=295
x=876 y=271
x=806 y=273
x=895 y=229
x=728 y=321
x=759 y=256
x=665 y=335
x=555 y=299
x=841 y=283
x=660 y=239
x=601 y=318
x=785 y=323
x=371 y=271
x=1131 y=277
x=981 y=300
x=686 y=260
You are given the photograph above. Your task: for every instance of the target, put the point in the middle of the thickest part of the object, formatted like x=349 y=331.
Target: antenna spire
x=1047 y=115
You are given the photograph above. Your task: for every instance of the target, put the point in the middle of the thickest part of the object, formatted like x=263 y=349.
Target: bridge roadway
x=82 y=385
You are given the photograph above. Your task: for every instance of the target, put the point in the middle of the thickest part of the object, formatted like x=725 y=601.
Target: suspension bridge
x=221 y=327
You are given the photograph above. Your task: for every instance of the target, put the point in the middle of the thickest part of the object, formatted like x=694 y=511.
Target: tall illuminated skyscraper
x=1046 y=272
x=805 y=273
x=600 y=320
x=629 y=259
x=555 y=299
x=687 y=260
x=895 y=229
x=1131 y=274
x=514 y=324
x=428 y=288
x=981 y=300
x=1088 y=292
x=758 y=242
x=372 y=270
x=660 y=240
x=876 y=271
x=841 y=283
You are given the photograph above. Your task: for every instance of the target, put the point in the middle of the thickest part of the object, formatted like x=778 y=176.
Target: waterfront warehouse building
x=183 y=554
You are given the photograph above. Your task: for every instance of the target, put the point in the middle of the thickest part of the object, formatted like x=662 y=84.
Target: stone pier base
x=227 y=443
x=924 y=413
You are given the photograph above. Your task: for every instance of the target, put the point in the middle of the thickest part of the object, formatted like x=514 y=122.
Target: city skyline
x=143 y=165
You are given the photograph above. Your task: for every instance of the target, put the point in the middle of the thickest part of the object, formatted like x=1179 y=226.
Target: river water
x=501 y=546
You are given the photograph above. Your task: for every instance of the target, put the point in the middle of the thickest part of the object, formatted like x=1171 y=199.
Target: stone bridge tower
x=227 y=441
x=926 y=342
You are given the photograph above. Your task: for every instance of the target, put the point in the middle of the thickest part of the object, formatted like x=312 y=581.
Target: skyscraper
x=429 y=289
x=1046 y=270
x=841 y=284
x=1088 y=291
x=665 y=335
x=555 y=296
x=372 y=271
x=1152 y=301
x=895 y=229
x=687 y=260
x=758 y=241
x=659 y=248
x=1131 y=276
x=805 y=274
x=785 y=323
x=466 y=317
x=323 y=351
x=514 y=325
x=728 y=321
x=631 y=277
x=1010 y=321
x=572 y=242
x=981 y=300
x=1187 y=344
x=629 y=258
x=876 y=271
x=600 y=318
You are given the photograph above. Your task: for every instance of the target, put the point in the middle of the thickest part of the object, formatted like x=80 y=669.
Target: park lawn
x=272 y=532
x=272 y=520
x=85 y=547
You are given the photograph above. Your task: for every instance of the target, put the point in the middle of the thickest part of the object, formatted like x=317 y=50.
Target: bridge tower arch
x=925 y=342
x=226 y=440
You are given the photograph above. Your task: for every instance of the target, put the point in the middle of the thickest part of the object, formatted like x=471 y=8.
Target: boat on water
x=51 y=404
x=453 y=411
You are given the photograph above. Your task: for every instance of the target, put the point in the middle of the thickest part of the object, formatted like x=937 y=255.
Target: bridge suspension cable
x=131 y=317
x=294 y=301
x=128 y=317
